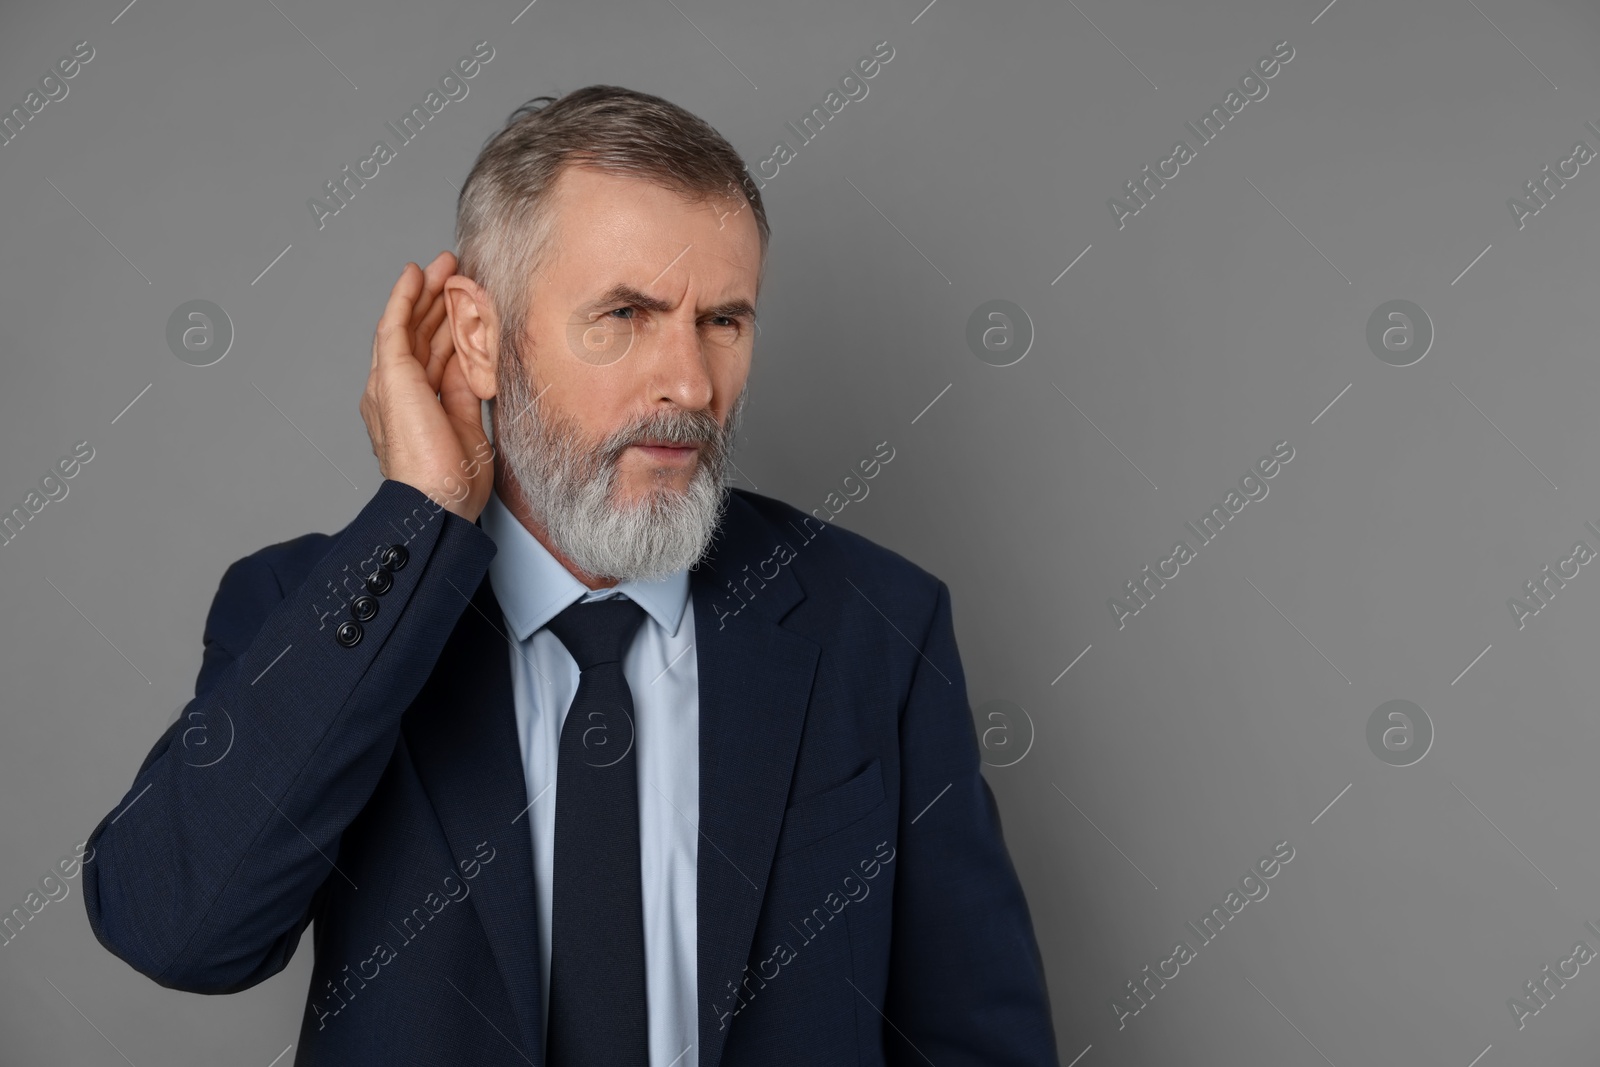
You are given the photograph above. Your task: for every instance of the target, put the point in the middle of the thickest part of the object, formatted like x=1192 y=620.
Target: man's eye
x=627 y=308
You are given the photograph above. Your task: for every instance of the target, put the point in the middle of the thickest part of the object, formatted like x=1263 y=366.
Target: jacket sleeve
x=207 y=872
x=966 y=981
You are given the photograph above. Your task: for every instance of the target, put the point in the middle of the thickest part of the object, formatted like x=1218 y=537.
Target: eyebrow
x=621 y=294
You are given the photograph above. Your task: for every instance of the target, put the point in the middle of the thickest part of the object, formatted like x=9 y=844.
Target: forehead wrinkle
x=733 y=305
x=623 y=292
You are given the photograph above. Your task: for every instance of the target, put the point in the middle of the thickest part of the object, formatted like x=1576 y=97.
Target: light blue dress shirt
x=533 y=588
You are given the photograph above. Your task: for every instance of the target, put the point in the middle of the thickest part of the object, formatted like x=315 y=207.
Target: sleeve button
x=380 y=581
x=394 y=557
x=348 y=634
x=363 y=608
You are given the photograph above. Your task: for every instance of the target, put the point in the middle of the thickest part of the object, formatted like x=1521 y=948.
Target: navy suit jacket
x=856 y=902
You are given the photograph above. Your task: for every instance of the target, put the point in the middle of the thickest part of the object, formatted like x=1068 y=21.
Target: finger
x=426 y=340
x=431 y=320
x=392 y=339
x=378 y=331
x=439 y=344
x=433 y=280
x=430 y=308
x=445 y=258
x=443 y=340
x=397 y=310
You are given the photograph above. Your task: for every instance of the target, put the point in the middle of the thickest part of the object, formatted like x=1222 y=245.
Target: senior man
x=543 y=804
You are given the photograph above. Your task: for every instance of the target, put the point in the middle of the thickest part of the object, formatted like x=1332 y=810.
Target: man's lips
x=667 y=452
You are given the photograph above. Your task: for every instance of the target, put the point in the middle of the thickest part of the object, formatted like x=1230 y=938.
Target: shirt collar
x=533 y=587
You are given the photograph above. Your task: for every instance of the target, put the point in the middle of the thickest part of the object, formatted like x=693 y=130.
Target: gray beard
x=569 y=483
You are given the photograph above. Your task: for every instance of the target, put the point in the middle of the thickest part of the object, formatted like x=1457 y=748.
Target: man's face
x=616 y=411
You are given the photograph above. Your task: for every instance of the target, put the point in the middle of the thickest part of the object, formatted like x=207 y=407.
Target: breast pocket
x=821 y=815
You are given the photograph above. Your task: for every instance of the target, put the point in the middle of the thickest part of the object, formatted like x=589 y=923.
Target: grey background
x=1225 y=317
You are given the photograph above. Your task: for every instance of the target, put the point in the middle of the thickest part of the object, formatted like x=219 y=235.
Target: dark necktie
x=597 y=983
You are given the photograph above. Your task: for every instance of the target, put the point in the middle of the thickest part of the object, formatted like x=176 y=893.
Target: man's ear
x=475 y=331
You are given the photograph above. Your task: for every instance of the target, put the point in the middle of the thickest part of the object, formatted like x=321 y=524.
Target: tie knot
x=597 y=631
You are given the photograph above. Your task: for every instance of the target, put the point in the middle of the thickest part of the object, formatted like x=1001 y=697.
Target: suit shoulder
x=252 y=584
x=287 y=562
x=825 y=552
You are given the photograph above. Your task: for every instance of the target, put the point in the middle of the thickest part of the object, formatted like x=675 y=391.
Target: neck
x=505 y=486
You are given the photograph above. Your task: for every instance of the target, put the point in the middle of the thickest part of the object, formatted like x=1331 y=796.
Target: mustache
x=675 y=427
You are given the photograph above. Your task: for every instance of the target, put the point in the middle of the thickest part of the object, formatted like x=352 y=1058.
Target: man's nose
x=679 y=366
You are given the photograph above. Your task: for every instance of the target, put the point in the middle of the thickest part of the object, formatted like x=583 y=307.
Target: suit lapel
x=463 y=742
x=755 y=684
